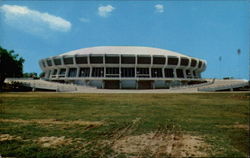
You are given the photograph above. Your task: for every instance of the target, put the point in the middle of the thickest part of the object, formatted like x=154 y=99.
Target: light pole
x=220 y=59
x=238 y=52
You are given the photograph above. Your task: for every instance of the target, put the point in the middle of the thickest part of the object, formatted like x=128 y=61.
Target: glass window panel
x=189 y=75
x=62 y=71
x=184 y=62
x=172 y=61
x=96 y=59
x=68 y=60
x=82 y=60
x=128 y=60
x=159 y=60
x=156 y=72
x=55 y=72
x=200 y=63
x=112 y=59
x=49 y=62
x=84 y=72
x=179 y=73
x=72 y=72
x=57 y=61
x=128 y=72
x=97 y=72
x=143 y=60
x=169 y=72
x=112 y=72
x=142 y=72
x=193 y=62
x=43 y=63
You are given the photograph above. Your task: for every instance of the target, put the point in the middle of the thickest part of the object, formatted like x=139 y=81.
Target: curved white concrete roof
x=135 y=50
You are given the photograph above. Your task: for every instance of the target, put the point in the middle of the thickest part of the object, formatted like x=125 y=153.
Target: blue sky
x=202 y=29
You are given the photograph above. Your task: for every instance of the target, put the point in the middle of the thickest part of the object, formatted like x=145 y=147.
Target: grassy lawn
x=124 y=125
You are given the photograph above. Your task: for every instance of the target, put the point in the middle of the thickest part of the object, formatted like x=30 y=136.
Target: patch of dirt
x=5 y=137
x=51 y=142
x=158 y=144
x=240 y=97
x=54 y=121
x=241 y=126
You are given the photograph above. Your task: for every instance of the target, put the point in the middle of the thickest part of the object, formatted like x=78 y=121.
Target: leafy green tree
x=42 y=74
x=30 y=75
x=11 y=65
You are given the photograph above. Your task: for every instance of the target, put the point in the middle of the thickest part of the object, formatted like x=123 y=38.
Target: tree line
x=11 y=65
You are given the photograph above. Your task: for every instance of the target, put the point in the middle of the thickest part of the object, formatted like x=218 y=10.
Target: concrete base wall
x=160 y=84
x=96 y=83
x=128 y=84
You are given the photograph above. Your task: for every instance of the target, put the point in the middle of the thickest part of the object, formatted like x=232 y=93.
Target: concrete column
x=49 y=74
x=184 y=73
x=174 y=71
x=90 y=71
x=57 y=74
x=52 y=62
x=153 y=84
x=104 y=66
x=74 y=60
x=103 y=84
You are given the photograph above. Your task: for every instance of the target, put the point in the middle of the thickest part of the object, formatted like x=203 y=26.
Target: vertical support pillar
x=104 y=66
x=184 y=73
x=57 y=74
x=174 y=72
x=103 y=82
x=90 y=71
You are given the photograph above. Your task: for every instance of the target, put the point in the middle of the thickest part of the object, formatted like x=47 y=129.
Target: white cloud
x=33 y=21
x=105 y=11
x=159 y=8
x=85 y=20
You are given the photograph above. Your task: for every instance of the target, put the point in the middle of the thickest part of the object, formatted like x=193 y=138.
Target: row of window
x=125 y=72
x=160 y=60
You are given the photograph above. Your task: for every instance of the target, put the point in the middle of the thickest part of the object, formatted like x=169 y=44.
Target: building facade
x=118 y=67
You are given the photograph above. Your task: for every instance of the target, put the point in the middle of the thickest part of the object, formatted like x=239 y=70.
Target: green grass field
x=124 y=125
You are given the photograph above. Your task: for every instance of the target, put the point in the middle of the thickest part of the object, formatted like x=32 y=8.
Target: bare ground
x=6 y=137
x=237 y=125
x=53 y=141
x=54 y=121
x=161 y=144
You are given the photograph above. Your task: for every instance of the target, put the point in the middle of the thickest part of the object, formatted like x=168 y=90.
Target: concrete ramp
x=47 y=85
x=220 y=85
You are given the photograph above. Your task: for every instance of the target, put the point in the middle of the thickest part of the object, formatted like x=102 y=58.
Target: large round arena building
x=124 y=67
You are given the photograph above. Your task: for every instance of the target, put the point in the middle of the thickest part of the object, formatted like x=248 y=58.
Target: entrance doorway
x=111 y=84
x=145 y=84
